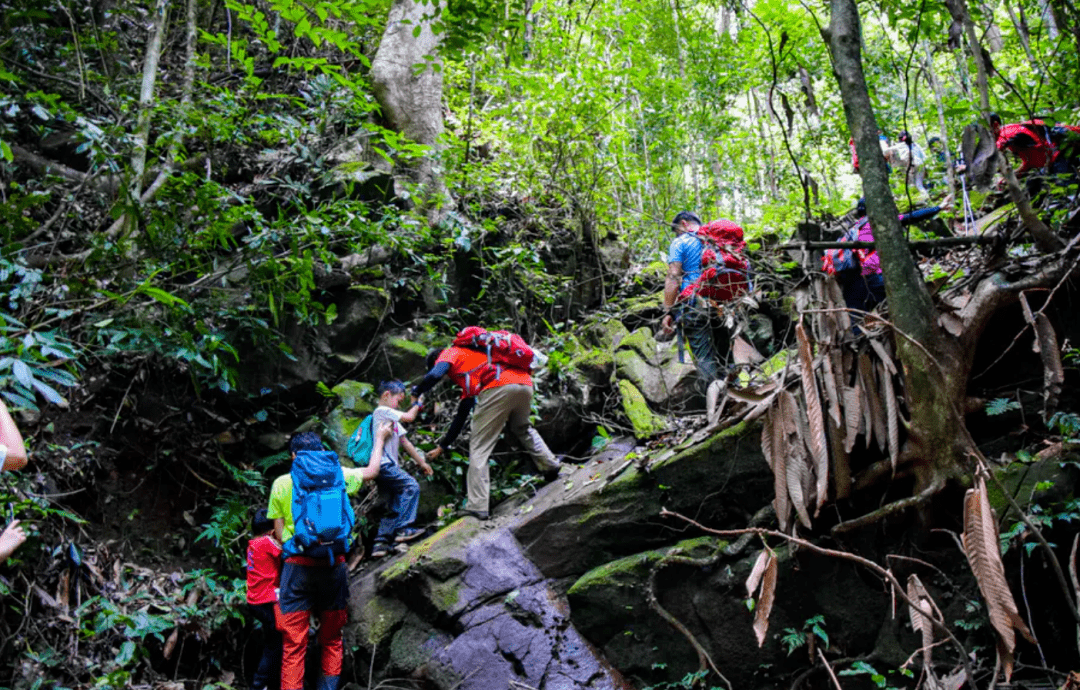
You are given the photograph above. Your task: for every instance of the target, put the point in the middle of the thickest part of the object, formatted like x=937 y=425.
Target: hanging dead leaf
x=883 y=355
x=766 y=597
x=920 y=623
x=853 y=410
x=980 y=539
x=1028 y=315
x=836 y=301
x=816 y=440
x=892 y=415
x=874 y=401
x=832 y=387
x=757 y=572
x=841 y=463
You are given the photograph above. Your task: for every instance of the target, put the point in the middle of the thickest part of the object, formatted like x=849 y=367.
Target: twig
x=844 y=555
x=828 y=668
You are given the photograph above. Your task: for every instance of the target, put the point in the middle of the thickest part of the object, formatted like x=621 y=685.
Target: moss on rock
x=441 y=555
x=408 y=346
x=355 y=396
x=607 y=333
x=379 y=617
x=641 y=341
x=632 y=570
x=645 y=422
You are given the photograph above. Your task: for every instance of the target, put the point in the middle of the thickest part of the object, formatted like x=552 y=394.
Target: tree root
x=889 y=509
x=705 y=661
x=884 y=573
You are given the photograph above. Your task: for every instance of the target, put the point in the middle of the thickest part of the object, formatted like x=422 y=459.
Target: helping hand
x=10 y=539
x=425 y=468
x=433 y=454
x=385 y=430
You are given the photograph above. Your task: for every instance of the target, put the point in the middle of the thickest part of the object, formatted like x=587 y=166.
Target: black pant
x=268 y=672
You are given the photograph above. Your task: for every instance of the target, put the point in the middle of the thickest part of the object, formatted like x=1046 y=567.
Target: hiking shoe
x=380 y=549
x=478 y=514
x=408 y=534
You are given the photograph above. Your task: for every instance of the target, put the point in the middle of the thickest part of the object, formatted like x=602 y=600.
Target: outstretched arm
x=10 y=539
x=414 y=410
x=375 y=463
x=12 y=440
x=431 y=378
x=463 y=410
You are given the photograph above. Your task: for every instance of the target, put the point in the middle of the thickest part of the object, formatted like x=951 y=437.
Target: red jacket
x=263 y=569
x=1029 y=141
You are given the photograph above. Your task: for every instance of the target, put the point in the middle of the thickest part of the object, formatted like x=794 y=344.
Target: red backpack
x=725 y=272
x=503 y=349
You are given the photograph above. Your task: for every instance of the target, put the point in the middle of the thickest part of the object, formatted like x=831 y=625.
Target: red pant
x=305 y=588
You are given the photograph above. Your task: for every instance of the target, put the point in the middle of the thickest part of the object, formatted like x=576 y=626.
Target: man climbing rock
x=705 y=269
x=502 y=395
x=1028 y=140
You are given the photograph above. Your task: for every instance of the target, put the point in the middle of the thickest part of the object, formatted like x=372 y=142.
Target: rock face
x=477 y=615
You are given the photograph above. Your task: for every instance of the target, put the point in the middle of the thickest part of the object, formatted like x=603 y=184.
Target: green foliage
x=881 y=680
x=1001 y=406
x=811 y=627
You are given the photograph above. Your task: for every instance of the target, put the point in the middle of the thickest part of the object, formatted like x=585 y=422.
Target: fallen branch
x=914 y=244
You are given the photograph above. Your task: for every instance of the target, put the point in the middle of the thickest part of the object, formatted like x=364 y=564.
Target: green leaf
x=127 y=652
x=5 y=151
x=22 y=373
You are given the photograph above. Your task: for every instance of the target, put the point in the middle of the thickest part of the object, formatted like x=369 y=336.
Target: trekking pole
x=969 y=214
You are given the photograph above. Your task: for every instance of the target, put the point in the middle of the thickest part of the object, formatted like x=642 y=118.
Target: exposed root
x=889 y=509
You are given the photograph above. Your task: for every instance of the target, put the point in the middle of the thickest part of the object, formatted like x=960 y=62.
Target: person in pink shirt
x=263 y=578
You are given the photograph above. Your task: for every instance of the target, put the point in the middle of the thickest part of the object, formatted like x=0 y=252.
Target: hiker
x=908 y=157
x=502 y=395
x=12 y=457
x=401 y=491
x=263 y=577
x=313 y=577
x=883 y=143
x=859 y=271
x=1028 y=140
x=693 y=282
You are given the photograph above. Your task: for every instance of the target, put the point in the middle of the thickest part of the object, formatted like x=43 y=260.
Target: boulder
x=655 y=370
x=645 y=422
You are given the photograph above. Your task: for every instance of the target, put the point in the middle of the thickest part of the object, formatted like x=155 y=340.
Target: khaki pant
x=495 y=408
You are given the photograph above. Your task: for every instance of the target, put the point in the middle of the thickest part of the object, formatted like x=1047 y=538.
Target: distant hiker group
x=296 y=560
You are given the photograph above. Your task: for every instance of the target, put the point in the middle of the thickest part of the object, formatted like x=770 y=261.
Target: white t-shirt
x=392 y=445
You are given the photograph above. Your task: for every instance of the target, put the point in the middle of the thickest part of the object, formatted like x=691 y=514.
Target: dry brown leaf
x=874 y=402
x=832 y=386
x=853 y=411
x=765 y=600
x=816 y=440
x=800 y=482
x=921 y=624
x=835 y=301
x=980 y=539
x=892 y=418
x=1028 y=316
x=841 y=463
x=774 y=443
x=951 y=323
x=170 y=644
x=742 y=352
x=757 y=572
x=883 y=355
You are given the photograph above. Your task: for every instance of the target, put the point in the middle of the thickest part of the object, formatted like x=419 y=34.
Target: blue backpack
x=361 y=442
x=322 y=515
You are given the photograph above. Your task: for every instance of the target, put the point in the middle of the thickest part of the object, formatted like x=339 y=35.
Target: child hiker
x=400 y=489
x=263 y=576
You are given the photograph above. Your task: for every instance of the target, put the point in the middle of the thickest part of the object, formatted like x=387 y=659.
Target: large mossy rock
x=655 y=370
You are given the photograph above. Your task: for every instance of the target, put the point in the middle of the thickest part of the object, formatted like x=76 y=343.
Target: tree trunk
x=939 y=99
x=929 y=356
x=410 y=96
x=146 y=104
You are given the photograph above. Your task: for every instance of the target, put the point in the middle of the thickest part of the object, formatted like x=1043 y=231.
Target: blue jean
x=706 y=338
x=402 y=494
x=863 y=292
